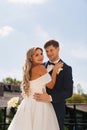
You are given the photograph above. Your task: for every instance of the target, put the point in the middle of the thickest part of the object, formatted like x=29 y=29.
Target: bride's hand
x=58 y=66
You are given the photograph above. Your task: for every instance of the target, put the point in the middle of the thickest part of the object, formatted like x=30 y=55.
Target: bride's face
x=37 y=57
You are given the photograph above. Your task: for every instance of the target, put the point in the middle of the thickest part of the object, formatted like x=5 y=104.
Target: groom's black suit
x=63 y=89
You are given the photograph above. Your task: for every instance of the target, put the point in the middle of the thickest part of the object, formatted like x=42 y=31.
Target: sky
x=28 y=23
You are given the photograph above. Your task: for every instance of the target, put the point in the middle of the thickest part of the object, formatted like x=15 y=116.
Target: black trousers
x=60 y=113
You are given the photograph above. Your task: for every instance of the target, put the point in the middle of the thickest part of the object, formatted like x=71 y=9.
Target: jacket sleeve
x=67 y=87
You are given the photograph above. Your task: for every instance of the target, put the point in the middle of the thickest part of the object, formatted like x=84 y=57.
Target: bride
x=33 y=115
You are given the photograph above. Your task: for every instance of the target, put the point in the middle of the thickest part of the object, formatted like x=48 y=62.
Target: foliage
x=77 y=98
x=85 y=97
x=11 y=114
x=65 y=128
x=12 y=81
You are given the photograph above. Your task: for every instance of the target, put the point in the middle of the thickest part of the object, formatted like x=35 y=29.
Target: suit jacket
x=63 y=87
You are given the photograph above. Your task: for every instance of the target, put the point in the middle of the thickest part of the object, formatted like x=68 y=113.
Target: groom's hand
x=42 y=97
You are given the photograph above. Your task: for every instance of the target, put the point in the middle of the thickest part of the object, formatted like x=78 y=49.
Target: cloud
x=5 y=31
x=79 y=53
x=28 y=1
x=41 y=32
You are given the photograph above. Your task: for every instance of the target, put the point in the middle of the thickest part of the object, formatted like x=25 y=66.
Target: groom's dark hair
x=51 y=42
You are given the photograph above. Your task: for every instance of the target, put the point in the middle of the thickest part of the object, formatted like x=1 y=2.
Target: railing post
x=75 y=118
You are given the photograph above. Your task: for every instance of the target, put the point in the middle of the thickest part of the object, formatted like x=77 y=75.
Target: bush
x=77 y=98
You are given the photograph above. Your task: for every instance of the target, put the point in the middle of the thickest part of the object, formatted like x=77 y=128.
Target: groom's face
x=52 y=53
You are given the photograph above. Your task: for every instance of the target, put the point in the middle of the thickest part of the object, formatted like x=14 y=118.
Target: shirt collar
x=55 y=61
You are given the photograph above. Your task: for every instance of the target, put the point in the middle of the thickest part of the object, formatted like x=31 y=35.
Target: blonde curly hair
x=27 y=68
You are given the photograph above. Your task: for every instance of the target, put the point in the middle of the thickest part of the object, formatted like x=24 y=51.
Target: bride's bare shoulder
x=41 y=69
x=38 y=71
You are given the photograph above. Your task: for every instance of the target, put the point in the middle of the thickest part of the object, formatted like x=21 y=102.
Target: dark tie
x=51 y=63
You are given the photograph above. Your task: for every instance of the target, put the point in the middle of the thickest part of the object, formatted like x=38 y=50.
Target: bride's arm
x=54 y=74
x=42 y=70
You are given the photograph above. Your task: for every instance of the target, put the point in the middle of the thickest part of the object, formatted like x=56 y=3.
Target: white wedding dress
x=33 y=115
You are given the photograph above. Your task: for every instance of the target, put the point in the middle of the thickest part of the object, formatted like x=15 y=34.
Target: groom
x=63 y=87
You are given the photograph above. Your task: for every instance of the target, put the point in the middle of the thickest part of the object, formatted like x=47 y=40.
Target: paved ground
x=7 y=96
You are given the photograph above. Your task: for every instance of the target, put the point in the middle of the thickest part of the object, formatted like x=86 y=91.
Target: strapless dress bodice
x=38 y=84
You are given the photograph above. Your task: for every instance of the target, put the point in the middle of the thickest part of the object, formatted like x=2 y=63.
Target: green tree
x=77 y=98
x=12 y=81
x=79 y=89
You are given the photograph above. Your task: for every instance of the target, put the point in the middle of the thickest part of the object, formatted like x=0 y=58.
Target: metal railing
x=74 y=120
x=76 y=116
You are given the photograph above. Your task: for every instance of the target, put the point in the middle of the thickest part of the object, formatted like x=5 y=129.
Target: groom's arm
x=44 y=97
